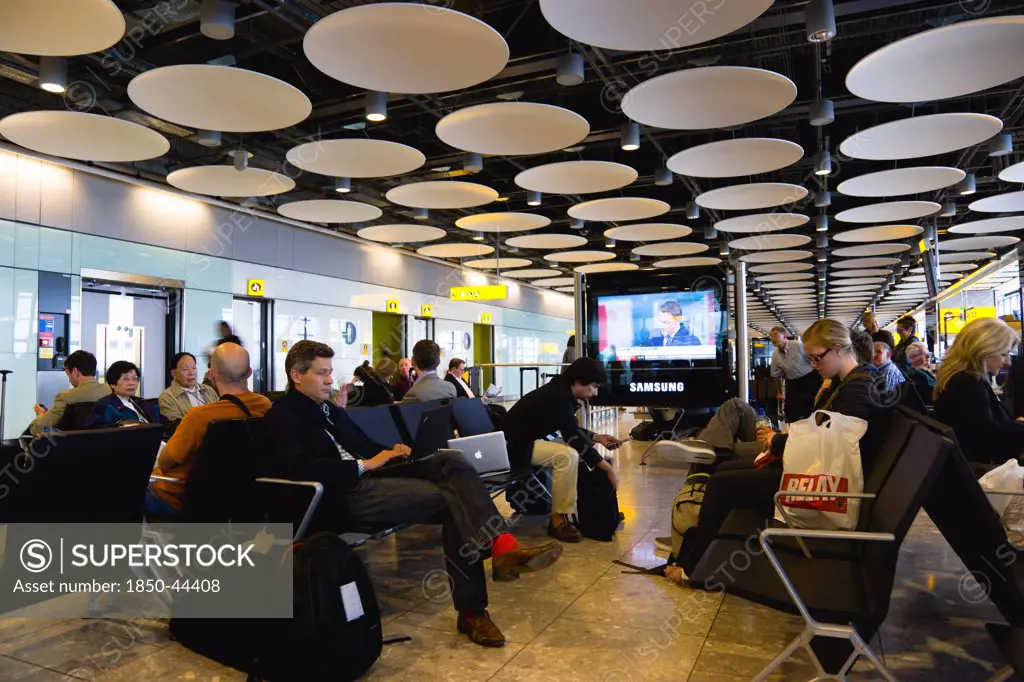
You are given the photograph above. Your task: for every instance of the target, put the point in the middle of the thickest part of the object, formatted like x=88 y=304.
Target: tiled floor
x=581 y=620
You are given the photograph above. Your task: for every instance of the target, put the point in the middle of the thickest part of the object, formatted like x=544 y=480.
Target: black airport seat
x=378 y=423
x=471 y=417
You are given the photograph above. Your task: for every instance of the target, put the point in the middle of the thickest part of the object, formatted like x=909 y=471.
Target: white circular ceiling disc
x=866 y=272
x=618 y=209
x=225 y=181
x=751 y=197
x=661 y=25
x=735 y=158
x=774 y=268
x=455 y=250
x=648 y=232
x=891 y=211
x=857 y=282
x=553 y=282
x=973 y=243
x=671 y=249
x=87 y=137
x=989 y=226
x=605 y=267
x=870 y=250
x=71 y=28
x=330 y=211
x=912 y=138
x=901 y=181
x=775 y=256
x=496 y=263
x=959 y=267
x=760 y=223
x=547 y=241
x=699 y=262
x=764 y=242
x=576 y=177
x=788 y=285
x=502 y=222
x=878 y=233
x=356 y=158
x=729 y=96
x=401 y=234
x=861 y=263
x=579 y=256
x=222 y=98
x=950 y=61
x=532 y=273
x=441 y=194
x=512 y=128
x=786 y=277
x=1000 y=203
x=411 y=48
x=1014 y=173
x=965 y=256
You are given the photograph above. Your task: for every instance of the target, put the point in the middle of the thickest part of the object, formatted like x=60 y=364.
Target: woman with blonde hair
x=964 y=399
x=738 y=483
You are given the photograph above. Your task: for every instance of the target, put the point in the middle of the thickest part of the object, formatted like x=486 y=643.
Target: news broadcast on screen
x=658 y=326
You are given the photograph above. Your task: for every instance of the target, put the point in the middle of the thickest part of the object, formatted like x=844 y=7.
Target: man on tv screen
x=672 y=331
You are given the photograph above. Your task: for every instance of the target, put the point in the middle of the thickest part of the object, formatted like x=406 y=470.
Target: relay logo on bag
x=821 y=483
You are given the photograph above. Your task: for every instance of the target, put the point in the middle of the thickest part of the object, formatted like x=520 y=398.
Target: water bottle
x=762 y=420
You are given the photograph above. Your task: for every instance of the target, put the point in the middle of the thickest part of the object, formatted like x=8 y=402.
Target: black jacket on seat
x=984 y=429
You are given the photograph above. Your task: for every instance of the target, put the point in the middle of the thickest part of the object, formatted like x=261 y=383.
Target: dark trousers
x=734 y=485
x=443 y=489
x=800 y=395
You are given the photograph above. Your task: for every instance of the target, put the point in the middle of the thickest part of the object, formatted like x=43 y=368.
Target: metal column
x=580 y=310
x=742 y=333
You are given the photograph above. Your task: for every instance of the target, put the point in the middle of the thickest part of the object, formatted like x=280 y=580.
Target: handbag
x=1010 y=508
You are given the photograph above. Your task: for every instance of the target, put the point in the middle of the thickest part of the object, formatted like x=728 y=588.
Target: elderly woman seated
x=121 y=407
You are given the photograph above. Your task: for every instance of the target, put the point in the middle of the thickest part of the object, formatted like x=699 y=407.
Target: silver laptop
x=487 y=452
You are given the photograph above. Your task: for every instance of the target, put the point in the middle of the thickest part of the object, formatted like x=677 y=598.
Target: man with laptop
x=367 y=483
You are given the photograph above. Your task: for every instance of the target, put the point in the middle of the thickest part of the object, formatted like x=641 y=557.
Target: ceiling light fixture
x=343 y=185
x=948 y=209
x=576 y=223
x=473 y=163
x=692 y=211
x=966 y=186
x=630 y=136
x=822 y=256
x=820 y=21
x=663 y=177
x=240 y=158
x=821 y=241
x=376 y=106
x=502 y=199
x=821 y=112
x=570 y=69
x=710 y=232
x=821 y=223
x=208 y=138
x=723 y=250
x=823 y=163
x=609 y=243
x=217 y=19
x=478 y=236
x=421 y=214
x=533 y=198
x=823 y=199
x=634 y=258
x=1000 y=145
x=53 y=74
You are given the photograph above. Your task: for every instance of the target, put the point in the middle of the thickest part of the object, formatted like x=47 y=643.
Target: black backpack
x=597 y=505
x=326 y=638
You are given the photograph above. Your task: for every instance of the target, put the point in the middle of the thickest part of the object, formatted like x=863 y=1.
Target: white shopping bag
x=1007 y=476
x=823 y=455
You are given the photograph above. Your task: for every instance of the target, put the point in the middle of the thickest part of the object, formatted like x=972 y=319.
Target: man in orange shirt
x=229 y=371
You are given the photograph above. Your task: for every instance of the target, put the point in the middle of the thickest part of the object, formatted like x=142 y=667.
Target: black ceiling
x=269 y=36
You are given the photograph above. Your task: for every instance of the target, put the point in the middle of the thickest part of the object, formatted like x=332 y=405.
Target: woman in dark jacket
x=964 y=399
x=121 y=407
x=740 y=484
x=373 y=389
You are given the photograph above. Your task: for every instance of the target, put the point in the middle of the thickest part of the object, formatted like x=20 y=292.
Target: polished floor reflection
x=582 y=620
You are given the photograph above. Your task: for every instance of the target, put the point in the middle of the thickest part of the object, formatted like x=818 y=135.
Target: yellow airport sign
x=426 y=310
x=492 y=292
x=391 y=305
x=951 y=320
x=485 y=318
x=256 y=287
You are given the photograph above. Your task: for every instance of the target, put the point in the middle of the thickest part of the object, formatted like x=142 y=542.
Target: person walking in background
x=226 y=335
x=790 y=364
x=185 y=391
x=569 y=356
x=905 y=328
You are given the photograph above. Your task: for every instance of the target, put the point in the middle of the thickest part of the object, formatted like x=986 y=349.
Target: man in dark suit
x=317 y=440
x=672 y=331
x=456 y=368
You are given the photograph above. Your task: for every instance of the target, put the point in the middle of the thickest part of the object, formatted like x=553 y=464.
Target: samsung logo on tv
x=655 y=387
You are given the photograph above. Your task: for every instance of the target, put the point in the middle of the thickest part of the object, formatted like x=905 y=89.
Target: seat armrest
x=167 y=479
x=807 y=493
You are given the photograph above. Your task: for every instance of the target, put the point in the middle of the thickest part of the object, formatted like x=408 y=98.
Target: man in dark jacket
x=905 y=328
x=318 y=441
x=549 y=409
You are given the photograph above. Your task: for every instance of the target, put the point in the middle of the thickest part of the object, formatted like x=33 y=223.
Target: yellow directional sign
x=256 y=287
x=426 y=310
x=485 y=293
x=392 y=305
x=485 y=318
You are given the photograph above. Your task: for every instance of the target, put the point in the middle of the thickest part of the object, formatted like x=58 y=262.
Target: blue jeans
x=157 y=506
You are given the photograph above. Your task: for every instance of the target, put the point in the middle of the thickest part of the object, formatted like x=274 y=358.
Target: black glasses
x=817 y=358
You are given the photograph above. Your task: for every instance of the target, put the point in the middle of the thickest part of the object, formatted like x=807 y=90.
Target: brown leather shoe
x=565 y=532
x=480 y=629
x=524 y=559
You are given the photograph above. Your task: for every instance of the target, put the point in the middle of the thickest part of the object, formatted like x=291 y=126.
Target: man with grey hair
x=790 y=365
x=230 y=372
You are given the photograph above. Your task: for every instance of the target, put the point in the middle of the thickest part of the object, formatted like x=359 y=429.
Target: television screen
x=663 y=326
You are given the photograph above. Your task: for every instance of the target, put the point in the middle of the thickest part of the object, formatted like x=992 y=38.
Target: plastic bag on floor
x=1007 y=476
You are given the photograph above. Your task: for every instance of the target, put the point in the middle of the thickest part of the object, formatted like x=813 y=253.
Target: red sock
x=506 y=542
